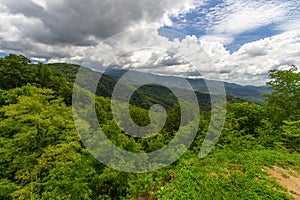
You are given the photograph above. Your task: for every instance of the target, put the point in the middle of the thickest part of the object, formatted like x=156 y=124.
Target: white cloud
x=67 y=31
x=42 y=3
x=249 y=65
x=257 y=58
x=290 y=25
x=38 y=59
x=235 y=17
x=231 y=18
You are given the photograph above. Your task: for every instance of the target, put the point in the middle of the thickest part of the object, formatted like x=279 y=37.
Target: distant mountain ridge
x=250 y=92
x=111 y=77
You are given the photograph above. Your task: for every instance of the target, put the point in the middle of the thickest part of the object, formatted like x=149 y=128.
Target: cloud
x=257 y=58
x=70 y=31
x=82 y=23
x=66 y=30
x=234 y=17
x=193 y=56
x=223 y=21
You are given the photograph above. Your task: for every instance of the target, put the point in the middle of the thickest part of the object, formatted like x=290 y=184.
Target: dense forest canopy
x=43 y=157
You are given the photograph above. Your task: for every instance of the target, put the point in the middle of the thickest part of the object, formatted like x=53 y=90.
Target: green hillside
x=249 y=92
x=144 y=96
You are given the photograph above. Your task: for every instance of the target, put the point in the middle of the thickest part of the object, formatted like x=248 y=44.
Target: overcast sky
x=232 y=40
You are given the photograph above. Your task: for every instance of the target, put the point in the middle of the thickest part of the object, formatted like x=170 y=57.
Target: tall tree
x=38 y=145
x=284 y=101
x=15 y=71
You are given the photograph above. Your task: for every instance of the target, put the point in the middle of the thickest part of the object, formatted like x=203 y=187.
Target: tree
x=290 y=133
x=39 y=145
x=284 y=101
x=15 y=71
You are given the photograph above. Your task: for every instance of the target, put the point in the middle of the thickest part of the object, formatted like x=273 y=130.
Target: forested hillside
x=43 y=157
x=250 y=92
x=146 y=95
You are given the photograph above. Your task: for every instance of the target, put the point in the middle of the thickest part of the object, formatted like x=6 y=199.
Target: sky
x=235 y=41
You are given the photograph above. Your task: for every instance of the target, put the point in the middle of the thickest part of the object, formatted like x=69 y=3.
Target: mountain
x=150 y=94
x=249 y=92
x=144 y=96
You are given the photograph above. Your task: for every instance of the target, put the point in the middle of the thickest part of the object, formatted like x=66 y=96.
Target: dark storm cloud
x=80 y=22
x=26 y=7
x=224 y=71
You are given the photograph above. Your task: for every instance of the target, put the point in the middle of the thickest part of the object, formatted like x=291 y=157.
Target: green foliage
x=284 y=101
x=147 y=95
x=247 y=117
x=16 y=71
x=224 y=174
x=69 y=180
x=42 y=156
x=111 y=184
x=48 y=78
x=7 y=188
x=227 y=175
x=290 y=133
x=38 y=140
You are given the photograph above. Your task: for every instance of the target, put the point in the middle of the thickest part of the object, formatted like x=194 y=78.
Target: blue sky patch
x=198 y=22
x=251 y=36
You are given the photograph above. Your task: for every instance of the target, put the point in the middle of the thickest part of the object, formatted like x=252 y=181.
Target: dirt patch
x=213 y=174
x=288 y=178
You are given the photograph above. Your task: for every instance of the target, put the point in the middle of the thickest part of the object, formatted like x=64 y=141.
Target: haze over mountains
x=250 y=92
x=110 y=78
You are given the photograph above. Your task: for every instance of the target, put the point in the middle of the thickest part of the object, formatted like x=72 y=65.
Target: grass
x=224 y=174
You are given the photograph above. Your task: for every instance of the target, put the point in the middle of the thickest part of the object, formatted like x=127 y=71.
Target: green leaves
x=38 y=142
x=16 y=71
x=291 y=134
x=284 y=102
x=69 y=180
x=7 y=188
